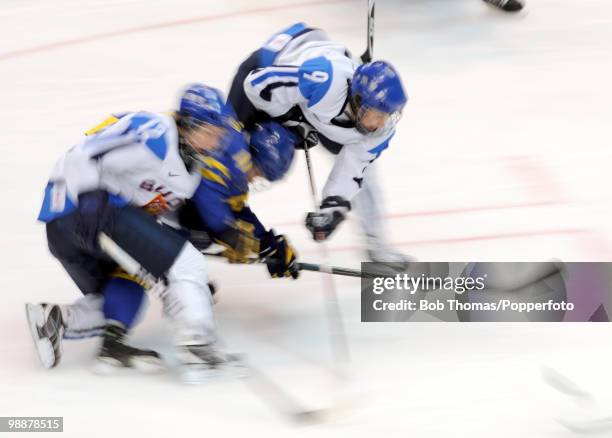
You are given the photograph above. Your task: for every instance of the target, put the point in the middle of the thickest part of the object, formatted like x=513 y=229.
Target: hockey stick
x=313 y=267
x=127 y=262
x=269 y=391
x=333 y=309
x=347 y=272
x=369 y=52
x=338 y=338
x=597 y=424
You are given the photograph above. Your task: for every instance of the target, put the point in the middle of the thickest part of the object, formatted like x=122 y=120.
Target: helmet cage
x=359 y=110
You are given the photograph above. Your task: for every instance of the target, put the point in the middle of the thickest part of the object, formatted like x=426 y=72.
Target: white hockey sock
x=84 y=318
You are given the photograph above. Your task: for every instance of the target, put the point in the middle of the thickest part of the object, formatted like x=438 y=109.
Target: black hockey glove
x=200 y=239
x=94 y=216
x=322 y=223
x=306 y=133
x=278 y=255
x=294 y=119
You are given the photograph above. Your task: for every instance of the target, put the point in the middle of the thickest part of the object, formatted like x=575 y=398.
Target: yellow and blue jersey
x=221 y=197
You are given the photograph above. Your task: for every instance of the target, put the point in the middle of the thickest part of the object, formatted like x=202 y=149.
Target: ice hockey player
x=219 y=206
x=507 y=5
x=130 y=164
x=304 y=80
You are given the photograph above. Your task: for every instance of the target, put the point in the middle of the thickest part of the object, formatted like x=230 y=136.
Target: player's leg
x=188 y=303
x=507 y=5
x=370 y=208
x=123 y=302
x=155 y=247
x=50 y=323
x=187 y=298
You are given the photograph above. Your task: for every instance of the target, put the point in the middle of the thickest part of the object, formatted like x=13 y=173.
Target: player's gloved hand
x=278 y=255
x=322 y=223
x=308 y=135
x=94 y=216
x=239 y=242
x=294 y=119
x=200 y=239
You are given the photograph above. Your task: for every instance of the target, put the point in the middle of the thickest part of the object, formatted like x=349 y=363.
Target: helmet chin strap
x=353 y=109
x=188 y=154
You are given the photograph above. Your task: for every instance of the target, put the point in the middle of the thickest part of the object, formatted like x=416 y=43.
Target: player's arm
x=273 y=89
x=126 y=146
x=210 y=202
x=278 y=88
x=81 y=179
x=343 y=184
x=274 y=249
x=233 y=224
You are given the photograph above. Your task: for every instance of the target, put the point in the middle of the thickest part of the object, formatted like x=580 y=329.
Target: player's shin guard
x=188 y=303
x=369 y=206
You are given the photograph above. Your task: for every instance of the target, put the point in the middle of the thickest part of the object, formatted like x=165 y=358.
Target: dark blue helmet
x=377 y=85
x=272 y=149
x=203 y=104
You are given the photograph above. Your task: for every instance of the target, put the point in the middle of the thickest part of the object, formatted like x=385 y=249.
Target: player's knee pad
x=187 y=300
x=190 y=266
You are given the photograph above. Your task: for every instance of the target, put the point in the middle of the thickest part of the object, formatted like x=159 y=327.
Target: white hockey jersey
x=134 y=157
x=302 y=67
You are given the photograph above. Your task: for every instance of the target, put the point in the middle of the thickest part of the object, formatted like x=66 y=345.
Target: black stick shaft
x=335 y=270
x=313 y=267
x=369 y=52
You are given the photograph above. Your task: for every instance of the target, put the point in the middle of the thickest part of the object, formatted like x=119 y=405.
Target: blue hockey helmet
x=272 y=148
x=377 y=85
x=203 y=104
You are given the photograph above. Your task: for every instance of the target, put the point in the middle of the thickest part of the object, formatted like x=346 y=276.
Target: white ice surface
x=503 y=154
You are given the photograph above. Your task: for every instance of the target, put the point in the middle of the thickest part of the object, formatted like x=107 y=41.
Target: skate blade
x=107 y=366
x=44 y=347
x=197 y=374
x=148 y=365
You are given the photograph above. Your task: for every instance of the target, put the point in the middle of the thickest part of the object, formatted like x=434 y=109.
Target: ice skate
x=115 y=354
x=506 y=5
x=200 y=363
x=379 y=251
x=47 y=329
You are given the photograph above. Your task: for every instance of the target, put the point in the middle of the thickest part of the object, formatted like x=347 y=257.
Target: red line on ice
x=464 y=239
x=449 y=211
x=156 y=26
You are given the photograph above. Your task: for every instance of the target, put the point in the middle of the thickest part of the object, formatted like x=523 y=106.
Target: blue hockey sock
x=122 y=300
